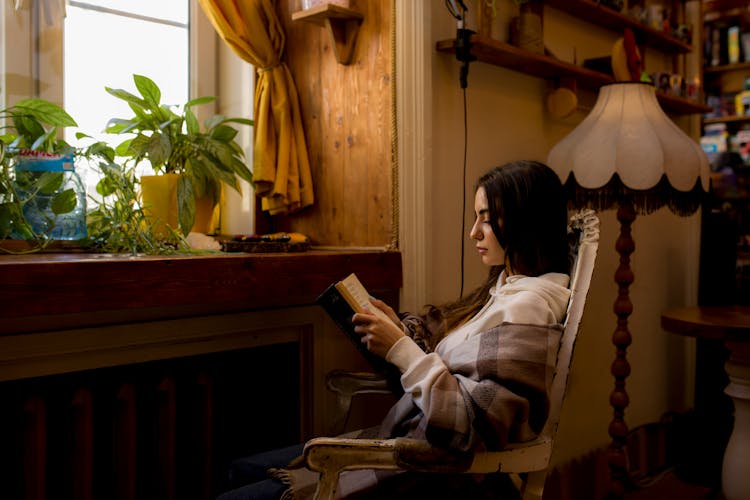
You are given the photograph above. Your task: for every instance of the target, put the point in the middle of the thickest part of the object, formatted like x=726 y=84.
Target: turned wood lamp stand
x=621 y=338
x=627 y=154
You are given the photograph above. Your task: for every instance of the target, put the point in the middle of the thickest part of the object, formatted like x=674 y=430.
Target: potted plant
x=41 y=197
x=196 y=160
x=116 y=221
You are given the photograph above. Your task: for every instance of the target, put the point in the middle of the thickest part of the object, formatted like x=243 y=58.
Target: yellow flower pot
x=159 y=199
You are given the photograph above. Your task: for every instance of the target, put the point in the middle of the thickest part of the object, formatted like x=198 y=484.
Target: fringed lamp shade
x=627 y=148
x=628 y=154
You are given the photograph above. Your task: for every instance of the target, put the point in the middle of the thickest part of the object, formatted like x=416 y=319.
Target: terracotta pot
x=159 y=198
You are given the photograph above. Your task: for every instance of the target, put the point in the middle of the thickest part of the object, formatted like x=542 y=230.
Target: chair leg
x=534 y=486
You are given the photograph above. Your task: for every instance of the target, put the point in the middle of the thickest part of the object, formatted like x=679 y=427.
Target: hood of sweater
x=552 y=287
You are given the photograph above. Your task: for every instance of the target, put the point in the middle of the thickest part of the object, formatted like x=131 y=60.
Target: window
x=107 y=41
x=66 y=51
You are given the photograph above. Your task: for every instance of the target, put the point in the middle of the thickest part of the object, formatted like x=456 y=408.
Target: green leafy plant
x=117 y=223
x=33 y=126
x=172 y=141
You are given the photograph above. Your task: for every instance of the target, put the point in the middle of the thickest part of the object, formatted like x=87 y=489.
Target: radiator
x=583 y=478
x=165 y=430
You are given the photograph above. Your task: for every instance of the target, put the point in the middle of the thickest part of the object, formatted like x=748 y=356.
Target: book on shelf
x=341 y=300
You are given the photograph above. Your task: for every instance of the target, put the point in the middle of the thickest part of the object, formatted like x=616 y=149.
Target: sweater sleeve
x=421 y=332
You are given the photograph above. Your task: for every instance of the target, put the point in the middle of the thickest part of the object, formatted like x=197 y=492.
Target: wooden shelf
x=718 y=10
x=592 y=11
x=340 y=22
x=726 y=119
x=680 y=106
x=726 y=68
x=505 y=55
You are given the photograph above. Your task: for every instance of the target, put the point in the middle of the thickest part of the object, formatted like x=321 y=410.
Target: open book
x=341 y=300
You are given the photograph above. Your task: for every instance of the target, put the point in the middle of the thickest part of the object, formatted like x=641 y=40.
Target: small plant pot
x=159 y=199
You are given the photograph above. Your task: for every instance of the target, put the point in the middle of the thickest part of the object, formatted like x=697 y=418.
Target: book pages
x=357 y=296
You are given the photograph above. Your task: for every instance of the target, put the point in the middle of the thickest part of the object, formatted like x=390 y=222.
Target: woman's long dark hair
x=528 y=214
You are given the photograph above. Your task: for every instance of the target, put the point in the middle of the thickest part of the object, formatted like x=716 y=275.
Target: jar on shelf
x=51 y=194
x=309 y=4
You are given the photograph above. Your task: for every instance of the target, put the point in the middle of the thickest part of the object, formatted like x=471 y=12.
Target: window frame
x=32 y=64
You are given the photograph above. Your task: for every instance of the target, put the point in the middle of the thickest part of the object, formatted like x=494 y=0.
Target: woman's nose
x=475 y=234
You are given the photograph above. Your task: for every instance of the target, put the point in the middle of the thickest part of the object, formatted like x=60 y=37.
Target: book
x=341 y=300
x=733 y=44
x=358 y=297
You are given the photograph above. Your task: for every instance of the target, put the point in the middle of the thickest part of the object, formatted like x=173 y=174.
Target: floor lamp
x=627 y=154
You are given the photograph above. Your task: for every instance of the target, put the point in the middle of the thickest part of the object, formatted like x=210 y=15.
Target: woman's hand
x=388 y=310
x=378 y=334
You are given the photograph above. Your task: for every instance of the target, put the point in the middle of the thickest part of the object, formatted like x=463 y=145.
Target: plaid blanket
x=493 y=391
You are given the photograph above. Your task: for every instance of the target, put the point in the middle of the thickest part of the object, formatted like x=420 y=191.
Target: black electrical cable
x=463 y=192
x=457 y=8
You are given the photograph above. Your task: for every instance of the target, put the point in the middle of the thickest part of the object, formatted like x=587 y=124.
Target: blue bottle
x=52 y=195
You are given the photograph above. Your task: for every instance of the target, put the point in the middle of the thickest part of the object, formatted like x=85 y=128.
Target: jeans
x=248 y=477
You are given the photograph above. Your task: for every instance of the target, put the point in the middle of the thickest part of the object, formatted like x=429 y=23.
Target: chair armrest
x=331 y=456
x=346 y=385
x=352 y=383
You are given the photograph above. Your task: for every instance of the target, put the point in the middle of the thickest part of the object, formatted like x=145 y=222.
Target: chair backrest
x=586 y=224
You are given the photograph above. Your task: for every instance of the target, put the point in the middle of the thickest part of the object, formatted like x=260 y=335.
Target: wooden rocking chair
x=331 y=456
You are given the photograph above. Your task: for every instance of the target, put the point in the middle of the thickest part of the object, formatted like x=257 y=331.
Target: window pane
x=103 y=49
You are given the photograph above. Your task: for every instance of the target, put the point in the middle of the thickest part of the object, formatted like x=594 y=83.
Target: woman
x=475 y=371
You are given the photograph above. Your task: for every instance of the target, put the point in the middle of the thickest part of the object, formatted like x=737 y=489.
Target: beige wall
x=506 y=121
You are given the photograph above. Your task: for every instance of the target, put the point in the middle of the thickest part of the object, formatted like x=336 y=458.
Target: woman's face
x=487 y=245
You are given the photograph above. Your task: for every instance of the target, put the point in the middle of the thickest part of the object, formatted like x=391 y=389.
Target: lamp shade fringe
x=645 y=201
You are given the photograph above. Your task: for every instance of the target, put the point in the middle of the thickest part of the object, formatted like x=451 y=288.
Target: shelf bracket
x=341 y=23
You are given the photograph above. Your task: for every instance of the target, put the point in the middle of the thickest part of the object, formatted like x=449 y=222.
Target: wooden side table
x=730 y=324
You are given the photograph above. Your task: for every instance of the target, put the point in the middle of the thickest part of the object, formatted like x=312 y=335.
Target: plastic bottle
x=52 y=194
x=742 y=100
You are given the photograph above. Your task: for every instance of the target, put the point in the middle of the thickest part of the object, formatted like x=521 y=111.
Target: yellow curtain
x=281 y=167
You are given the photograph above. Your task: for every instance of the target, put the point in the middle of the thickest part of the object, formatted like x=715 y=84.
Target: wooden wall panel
x=347 y=115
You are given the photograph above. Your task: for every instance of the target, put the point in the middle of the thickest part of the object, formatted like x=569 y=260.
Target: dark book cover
x=341 y=313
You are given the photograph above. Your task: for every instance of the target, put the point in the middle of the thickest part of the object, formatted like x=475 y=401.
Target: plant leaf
x=106 y=186
x=224 y=133
x=243 y=121
x=185 y=204
x=45 y=141
x=28 y=128
x=126 y=96
x=125 y=148
x=148 y=89
x=64 y=202
x=198 y=173
x=199 y=100
x=213 y=121
x=159 y=149
x=46 y=112
x=49 y=182
x=193 y=127
x=117 y=125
